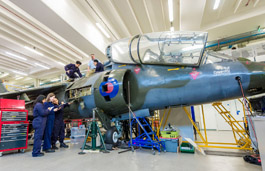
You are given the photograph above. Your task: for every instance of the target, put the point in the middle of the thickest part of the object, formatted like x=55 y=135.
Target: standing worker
x=99 y=66
x=72 y=69
x=49 y=124
x=58 y=129
x=91 y=67
x=39 y=124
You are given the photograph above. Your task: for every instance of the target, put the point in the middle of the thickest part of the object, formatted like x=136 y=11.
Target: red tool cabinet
x=14 y=125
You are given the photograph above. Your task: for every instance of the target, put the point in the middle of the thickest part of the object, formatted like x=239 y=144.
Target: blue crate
x=171 y=144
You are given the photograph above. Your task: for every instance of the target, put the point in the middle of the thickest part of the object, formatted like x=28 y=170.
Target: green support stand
x=94 y=129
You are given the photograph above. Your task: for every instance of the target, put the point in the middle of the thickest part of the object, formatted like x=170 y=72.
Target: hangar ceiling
x=38 y=37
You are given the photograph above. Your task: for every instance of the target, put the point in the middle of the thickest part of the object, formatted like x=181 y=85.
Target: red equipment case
x=14 y=125
x=12 y=104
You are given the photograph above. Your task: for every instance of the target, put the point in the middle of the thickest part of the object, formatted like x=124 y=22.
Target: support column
x=36 y=82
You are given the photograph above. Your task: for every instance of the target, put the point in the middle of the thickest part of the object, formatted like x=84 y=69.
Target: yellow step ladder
x=240 y=134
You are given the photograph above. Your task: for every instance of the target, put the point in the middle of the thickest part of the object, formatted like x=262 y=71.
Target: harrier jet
x=154 y=71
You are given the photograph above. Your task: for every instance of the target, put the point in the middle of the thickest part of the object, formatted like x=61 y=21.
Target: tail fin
x=2 y=87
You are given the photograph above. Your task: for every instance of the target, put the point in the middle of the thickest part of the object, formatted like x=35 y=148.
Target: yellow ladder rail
x=237 y=129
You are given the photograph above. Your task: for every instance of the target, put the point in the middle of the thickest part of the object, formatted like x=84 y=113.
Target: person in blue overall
x=72 y=69
x=49 y=124
x=58 y=129
x=39 y=124
x=99 y=66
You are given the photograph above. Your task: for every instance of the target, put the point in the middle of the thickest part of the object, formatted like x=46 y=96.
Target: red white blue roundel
x=112 y=88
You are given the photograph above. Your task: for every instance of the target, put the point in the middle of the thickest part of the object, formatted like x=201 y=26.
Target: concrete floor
x=69 y=159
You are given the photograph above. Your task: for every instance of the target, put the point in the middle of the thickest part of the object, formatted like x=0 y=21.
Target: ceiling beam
x=117 y=16
x=97 y=14
x=33 y=37
x=23 y=18
x=191 y=14
x=148 y=16
x=237 y=5
x=11 y=38
x=41 y=48
x=134 y=17
x=221 y=7
x=163 y=14
x=235 y=18
x=255 y=3
x=11 y=61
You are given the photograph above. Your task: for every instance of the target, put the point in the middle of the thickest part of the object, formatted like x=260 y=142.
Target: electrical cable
x=247 y=107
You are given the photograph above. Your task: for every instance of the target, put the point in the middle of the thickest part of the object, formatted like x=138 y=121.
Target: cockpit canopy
x=160 y=48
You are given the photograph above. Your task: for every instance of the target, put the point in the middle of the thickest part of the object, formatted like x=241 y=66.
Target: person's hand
x=62 y=103
x=69 y=103
x=68 y=71
x=49 y=108
x=56 y=109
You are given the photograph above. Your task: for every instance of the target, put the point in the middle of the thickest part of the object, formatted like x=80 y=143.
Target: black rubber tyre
x=110 y=136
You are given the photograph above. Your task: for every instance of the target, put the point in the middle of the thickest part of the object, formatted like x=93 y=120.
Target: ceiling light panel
x=170 y=10
x=42 y=66
x=16 y=56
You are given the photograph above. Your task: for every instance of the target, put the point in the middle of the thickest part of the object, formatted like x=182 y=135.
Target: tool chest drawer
x=13 y=115
x=13 y=135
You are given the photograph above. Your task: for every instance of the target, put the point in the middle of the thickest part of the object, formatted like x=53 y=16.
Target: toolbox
x=171 y=144
x=12 y=104
x=14 y=125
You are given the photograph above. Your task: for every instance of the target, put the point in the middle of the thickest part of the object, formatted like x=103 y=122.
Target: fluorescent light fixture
x=32 y=50
x=4 y=75
x=20 y=73
x=61 y=63
x=216 y=4
x=42 y=66
x=171 y=28
x=18 y=78
x=189 y=48
x=55 y=80
x=14 y=55
x=102 y=30
x=170 y=10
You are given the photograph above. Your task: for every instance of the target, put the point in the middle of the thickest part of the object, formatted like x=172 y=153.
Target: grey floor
x=69 y=159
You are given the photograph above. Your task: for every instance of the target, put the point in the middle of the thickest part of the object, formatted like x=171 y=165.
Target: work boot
x=49 y=151
x=63 y=145
x=54 y=147
x=38 y=155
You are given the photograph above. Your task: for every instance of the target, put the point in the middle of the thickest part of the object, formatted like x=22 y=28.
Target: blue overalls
x=39 y=124
x=72 y=70
x=49 y=126
x=58 y=129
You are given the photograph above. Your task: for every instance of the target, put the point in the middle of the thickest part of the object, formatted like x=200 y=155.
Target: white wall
x=214 y=120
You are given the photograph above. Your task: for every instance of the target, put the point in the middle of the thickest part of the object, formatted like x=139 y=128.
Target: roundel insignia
x=109 y=88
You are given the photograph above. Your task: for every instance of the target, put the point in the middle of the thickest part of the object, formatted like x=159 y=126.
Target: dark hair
x=49 y=96
x=96 y=60
x=78 y=62
x=39 y=99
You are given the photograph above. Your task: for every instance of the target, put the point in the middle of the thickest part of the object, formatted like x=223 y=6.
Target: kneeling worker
x=72 y=69
x=99 y=66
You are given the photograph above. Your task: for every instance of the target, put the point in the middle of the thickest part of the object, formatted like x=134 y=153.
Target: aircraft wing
x=32 y=93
